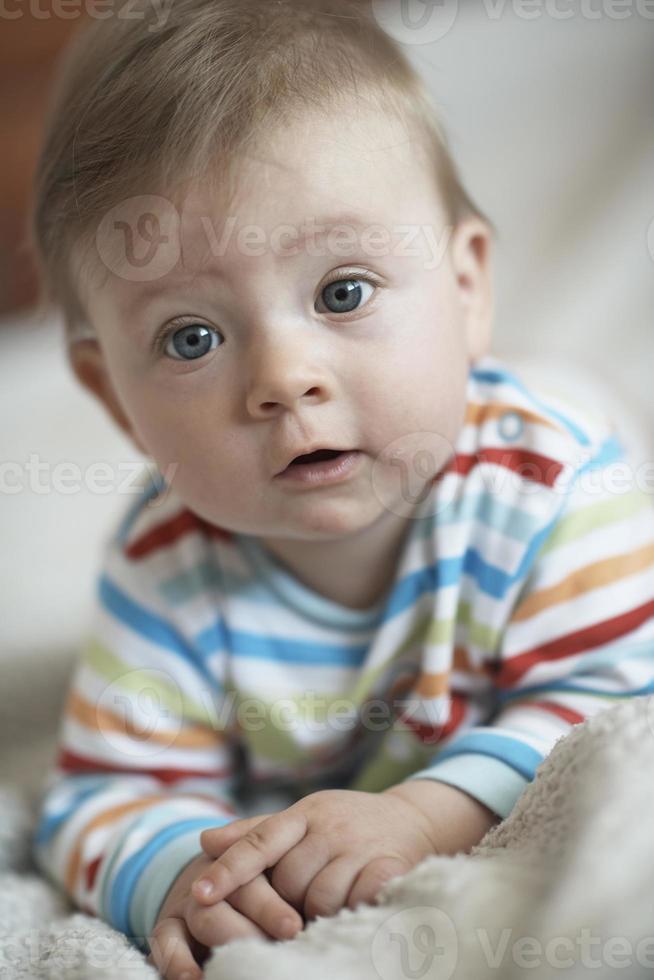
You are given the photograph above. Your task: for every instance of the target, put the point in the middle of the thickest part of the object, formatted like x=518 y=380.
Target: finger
x=260 y=902
x=373 y=877
x=170 y=947
x=219 y=924
x=260 y=848
x=328 y=891
x=294 y=873
x=214 y=840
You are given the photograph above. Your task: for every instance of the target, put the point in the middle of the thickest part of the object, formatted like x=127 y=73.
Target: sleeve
x=145 y=757
x=578 y=637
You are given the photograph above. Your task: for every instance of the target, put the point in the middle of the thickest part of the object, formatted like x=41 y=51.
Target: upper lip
x=310 y=449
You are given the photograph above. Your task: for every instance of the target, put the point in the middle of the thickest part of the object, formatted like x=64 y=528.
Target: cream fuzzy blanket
x=563 y=887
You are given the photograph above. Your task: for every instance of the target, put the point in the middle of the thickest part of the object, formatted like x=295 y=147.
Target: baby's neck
x=357 y=571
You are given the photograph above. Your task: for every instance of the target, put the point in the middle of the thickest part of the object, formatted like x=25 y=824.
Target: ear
x=89 y=366
x=472 y=264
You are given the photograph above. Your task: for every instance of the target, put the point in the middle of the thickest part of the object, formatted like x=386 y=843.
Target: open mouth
x=324 y=466
x=318 y=456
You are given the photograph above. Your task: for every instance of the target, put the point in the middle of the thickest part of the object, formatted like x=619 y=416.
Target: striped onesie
x=522 y=604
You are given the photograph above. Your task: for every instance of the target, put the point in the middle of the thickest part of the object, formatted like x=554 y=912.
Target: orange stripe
x=101 y=820
x=99 y=719
x=573 y=643
x=108 y=816
x=185 y=522
x=585 y=579
x=432 y=685
x=477 y=414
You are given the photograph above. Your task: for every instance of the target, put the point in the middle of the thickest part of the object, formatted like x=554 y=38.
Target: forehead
x=352 y=159
x=350 y=165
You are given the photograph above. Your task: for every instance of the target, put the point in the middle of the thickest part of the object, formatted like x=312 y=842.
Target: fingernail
x=204 y=887
x=288 y=927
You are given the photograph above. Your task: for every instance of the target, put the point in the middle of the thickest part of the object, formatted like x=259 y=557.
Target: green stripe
x=598 y=515
x=480 y=634
x=127 y=678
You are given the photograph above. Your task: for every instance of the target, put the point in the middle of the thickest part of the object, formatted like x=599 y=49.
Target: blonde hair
x=144 y=107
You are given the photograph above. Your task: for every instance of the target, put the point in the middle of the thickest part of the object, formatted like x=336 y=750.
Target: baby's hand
x=185 y=931
x=332 y=848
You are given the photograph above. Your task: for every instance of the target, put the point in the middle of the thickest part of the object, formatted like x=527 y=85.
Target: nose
x=280 y=374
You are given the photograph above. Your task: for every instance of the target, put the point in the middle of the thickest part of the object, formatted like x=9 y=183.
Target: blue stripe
x=126 y=879
x=579 y=689
x=499 y=376
x=486 y=509
x=157 y=484
x=149 y=625
x=49 y=824
x=610 y=451
x=521 y=757
x=282 y=649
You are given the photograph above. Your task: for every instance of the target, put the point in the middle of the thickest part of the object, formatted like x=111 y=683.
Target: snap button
x=510 y=426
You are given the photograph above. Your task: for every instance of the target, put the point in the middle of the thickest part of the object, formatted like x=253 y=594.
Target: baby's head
x=249 y=219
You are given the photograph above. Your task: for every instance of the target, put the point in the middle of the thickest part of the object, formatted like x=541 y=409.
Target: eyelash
x=160 y=341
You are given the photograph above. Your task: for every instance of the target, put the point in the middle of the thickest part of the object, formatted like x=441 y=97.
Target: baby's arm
x=578 y=638
x=142 y=766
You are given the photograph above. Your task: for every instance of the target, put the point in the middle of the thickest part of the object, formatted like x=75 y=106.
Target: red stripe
x=513 y=670
x=91 y=871
x=166 y=533
x=531 y=466
x=70 y=762
x=560 y=710
x=431 y=734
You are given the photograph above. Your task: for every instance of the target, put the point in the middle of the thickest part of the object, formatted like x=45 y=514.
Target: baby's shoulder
x=542 y=432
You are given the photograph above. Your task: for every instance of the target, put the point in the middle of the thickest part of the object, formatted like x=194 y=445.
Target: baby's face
x=260 y=355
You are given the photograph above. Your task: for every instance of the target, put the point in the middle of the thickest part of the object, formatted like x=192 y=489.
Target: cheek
x=171 y=429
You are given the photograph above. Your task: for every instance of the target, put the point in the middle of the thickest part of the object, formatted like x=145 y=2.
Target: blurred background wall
x=550 y=112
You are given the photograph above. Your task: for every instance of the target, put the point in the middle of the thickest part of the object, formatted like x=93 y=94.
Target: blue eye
x=190 y=342
x=344 y=294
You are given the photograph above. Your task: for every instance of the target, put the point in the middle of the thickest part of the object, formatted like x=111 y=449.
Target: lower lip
x=327 y=471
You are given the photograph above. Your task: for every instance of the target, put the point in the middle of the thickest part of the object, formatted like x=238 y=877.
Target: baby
x=374 y=574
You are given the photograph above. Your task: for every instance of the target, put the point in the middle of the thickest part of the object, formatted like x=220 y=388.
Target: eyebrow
x=322 y=225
